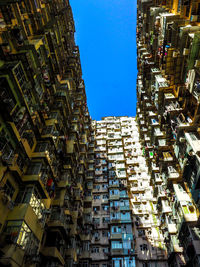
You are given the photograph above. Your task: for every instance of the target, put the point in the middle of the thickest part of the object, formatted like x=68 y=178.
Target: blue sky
x=106 y=36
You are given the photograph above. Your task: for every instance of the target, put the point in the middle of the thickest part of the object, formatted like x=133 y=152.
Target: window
x=105 y=233
x=96 y=234
x=84 y=264
x=48 y=130
x=37 y=204
x=125 y=216
x=117 y=262
x=143 y=247
x=34 y=168
x=106 y=219
x=89 y=184
x=41 y=147
x=20 y=76
x=106 y=208
x=97 y=187
x=95 y=250
x=96 y=220
x=116 y=245
x=9 y=189
x=86 y=246
x=123 y=193
x=24 y=195
x=115 y=216
x=105 y=250
x=116 y=229
x=114 y=192
x=114 y=203
x=20 y=234
x=127 y=244
x=24 y=235
x=113 y=182
x=97 y=208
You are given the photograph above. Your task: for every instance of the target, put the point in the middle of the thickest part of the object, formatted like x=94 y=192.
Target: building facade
x=168 y=48
x=45 y=130
x=113 y=243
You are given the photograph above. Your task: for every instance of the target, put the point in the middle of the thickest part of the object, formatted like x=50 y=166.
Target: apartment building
x=125 y=215
x=168 y=49
x=45 y=132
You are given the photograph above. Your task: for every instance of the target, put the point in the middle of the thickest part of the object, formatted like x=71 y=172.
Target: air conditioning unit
x=186 y=51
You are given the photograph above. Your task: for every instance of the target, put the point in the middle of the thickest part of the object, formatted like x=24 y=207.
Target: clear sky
x=106 y=36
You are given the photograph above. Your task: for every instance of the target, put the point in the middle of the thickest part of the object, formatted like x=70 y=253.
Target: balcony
x=53 y=118
x=85 y=254
x=154 y=122
x=167 y=156
x=24 y=212
x=88 y=220
x=165 y=207
x=99 y=172
x=49 y=131
x=19 y=241
x=184 y=201
x=124 y=208
x=172 y=229
x=117 y=251
x=181 y=121
x=114 y=197
x=173 y=108
x=173 y=173
x=12 y=253
x=23 y=132
x=89 y=176
x=193 y=138
x=113 y=184
x=175 y=244
x=88 y=199
x=158 y=178
x=36 y=174
x=59 y=220
x=53 y=252
x=13 y=160
x=44 y=150
x=163 y=144
x=116 y=236
x=115 y=217
x=158 y=132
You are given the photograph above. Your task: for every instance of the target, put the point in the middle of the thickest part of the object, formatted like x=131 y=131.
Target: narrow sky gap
x=106 y=36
